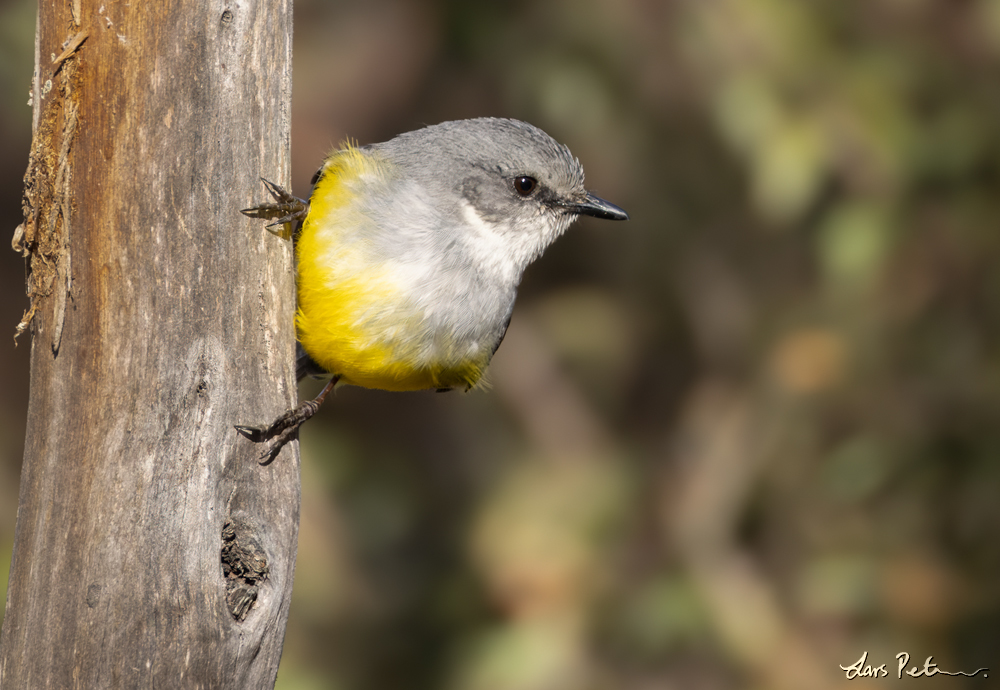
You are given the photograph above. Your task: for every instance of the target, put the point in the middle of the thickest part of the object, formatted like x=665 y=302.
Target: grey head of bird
x=507 y=182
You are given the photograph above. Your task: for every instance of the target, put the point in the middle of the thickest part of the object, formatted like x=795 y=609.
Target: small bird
x=409 y=254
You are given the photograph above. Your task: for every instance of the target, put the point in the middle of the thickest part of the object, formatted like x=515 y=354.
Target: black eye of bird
x=525 y=185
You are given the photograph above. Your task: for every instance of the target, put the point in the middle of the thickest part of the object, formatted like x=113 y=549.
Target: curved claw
x=254 y=433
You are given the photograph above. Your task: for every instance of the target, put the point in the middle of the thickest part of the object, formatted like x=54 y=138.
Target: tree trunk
x=151 y=547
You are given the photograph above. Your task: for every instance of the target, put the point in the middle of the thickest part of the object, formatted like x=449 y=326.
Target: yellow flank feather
x=354 y=316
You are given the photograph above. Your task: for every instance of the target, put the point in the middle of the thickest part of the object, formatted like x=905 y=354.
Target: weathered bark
x=161 y=317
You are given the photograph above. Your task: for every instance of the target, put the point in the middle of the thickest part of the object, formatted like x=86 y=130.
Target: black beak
x=598 y=208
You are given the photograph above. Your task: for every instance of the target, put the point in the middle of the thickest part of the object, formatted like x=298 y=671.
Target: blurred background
x=735 y=442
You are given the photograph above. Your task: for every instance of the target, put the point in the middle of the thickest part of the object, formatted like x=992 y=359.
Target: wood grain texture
x=160 y=318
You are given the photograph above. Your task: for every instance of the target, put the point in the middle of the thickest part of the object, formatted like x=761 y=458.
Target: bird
x=409 y=253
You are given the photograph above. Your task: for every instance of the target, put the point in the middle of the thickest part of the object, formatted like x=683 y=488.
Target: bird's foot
x=284 y=428
x=287 y=209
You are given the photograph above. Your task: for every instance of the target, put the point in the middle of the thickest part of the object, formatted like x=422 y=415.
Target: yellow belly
x=331 y=322
x=354 y=315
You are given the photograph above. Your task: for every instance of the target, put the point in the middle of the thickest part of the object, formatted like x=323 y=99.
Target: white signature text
x=862 y=669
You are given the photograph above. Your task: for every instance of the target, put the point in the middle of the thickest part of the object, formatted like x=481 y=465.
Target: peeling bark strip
x=71 y=47
x=48 y=205
x=244 y=567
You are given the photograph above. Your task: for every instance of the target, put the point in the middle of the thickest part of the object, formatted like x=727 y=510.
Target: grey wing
x=503 y=331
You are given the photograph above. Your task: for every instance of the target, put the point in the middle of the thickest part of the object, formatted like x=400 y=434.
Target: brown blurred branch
x=722 y=440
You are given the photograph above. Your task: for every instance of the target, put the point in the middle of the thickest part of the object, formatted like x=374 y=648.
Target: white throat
x=503 y=250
